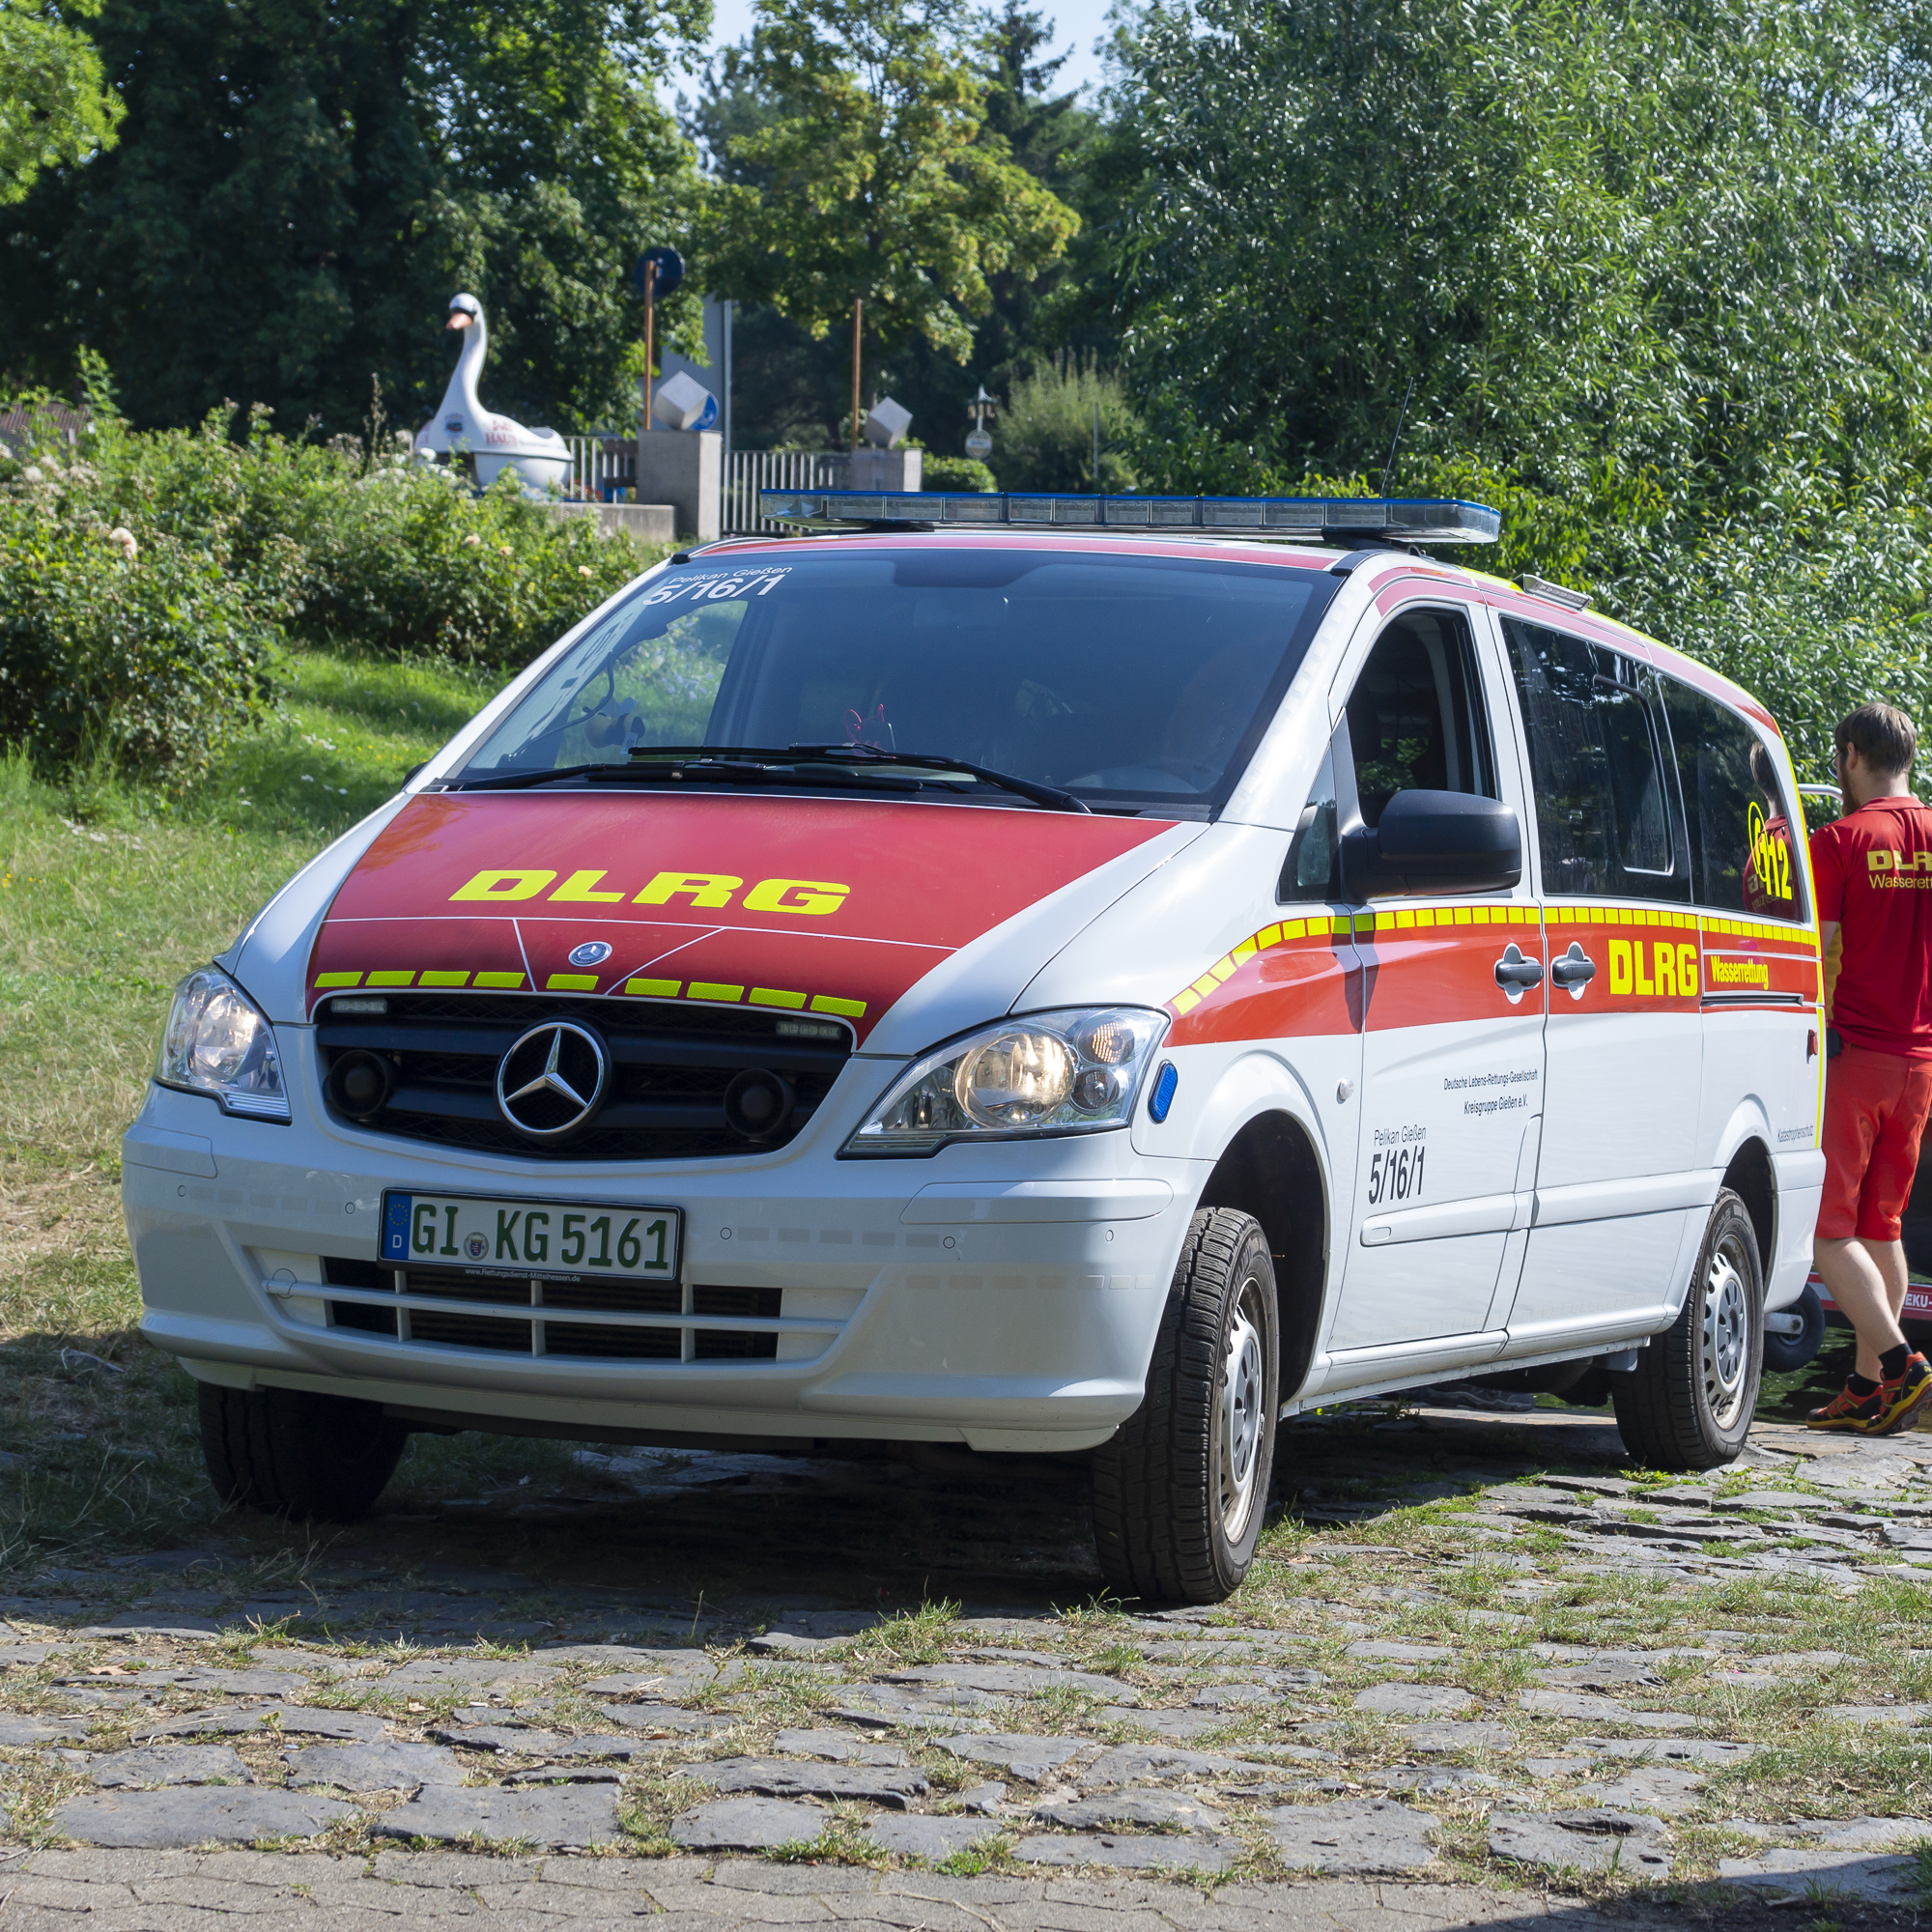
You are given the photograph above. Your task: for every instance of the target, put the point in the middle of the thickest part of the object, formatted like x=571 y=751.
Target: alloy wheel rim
x=1238 y=1419
x=1726 y=1350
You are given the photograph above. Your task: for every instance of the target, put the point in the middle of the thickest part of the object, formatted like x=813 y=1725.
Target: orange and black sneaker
x=1901 y=1400
x=1849 y=1414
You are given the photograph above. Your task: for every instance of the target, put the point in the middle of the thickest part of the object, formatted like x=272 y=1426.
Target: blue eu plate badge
x=396 y=1228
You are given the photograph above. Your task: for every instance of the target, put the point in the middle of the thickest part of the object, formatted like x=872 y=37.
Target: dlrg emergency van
x=1087 y=976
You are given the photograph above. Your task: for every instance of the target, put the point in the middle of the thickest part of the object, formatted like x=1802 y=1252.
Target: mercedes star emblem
x=553 y=1080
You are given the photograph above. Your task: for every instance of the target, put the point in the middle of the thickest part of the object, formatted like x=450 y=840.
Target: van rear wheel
x=1181 y=1491
x=292 y=1453
x=1688 y=1403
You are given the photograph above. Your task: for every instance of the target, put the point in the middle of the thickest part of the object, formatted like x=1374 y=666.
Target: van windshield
x=1139 y=682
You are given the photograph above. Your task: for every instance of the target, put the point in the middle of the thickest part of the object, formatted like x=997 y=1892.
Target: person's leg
x=1904 y=1376
x=1858 y=1283
x=1857 y=1088
x=1889 y=1258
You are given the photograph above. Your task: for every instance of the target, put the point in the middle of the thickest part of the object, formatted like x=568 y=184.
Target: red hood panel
x=807 y=905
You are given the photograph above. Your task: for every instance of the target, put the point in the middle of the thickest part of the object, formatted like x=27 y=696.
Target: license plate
x=479 y=1231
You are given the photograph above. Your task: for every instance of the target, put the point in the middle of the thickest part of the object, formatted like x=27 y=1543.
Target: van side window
x=1313 y=869
x=1606 y=826
x=1741 y=829
x=1415 y=717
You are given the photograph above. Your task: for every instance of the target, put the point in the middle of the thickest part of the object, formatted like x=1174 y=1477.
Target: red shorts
x=1875 y=1108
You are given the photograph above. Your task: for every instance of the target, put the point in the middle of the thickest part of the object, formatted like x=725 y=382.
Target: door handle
x=1516 y=975
x=1574 y=970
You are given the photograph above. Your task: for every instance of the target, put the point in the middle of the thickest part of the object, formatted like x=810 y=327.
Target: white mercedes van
x=1090 y=975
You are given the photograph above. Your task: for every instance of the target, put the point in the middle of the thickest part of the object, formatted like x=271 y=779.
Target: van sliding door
x=1617 y=1175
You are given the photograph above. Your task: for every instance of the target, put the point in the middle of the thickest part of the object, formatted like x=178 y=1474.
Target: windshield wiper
x=747 y=764
x=518 y=780
x=735 y=765
x=872 y=755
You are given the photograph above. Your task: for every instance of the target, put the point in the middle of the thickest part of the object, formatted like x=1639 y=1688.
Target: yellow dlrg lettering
x=580 y=889
x=1687 y=987
x=504 y=886
x=1667 y=970
x=1644 y=984
x=1879 y=860
x=807 y=896
x=1620 y=966
x=708 y=889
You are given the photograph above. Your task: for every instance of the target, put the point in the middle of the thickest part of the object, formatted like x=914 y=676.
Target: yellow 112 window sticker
x=1768 y=867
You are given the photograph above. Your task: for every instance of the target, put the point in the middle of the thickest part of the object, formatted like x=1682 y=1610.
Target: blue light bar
x=1426 y=520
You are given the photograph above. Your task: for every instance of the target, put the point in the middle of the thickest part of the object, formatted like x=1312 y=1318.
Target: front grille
x=342 y=1273
x=456 y=1327
x=741 y=1344
x=670 y=1067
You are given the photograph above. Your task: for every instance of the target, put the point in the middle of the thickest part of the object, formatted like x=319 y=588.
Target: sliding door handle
x=1574 y=970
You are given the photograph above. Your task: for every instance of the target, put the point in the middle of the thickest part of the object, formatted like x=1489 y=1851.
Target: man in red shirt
x=1873 y=869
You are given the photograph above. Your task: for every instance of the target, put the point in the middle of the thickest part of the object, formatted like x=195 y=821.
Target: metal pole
x=1096 y=449
x=728 y=374
x=650 y=337
x=858 y=308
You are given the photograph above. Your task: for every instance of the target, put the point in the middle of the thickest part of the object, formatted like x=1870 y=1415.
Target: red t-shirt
x=1874 y=873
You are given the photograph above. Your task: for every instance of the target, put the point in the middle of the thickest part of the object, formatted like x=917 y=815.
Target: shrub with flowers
x=142 y=651
x=146 y=578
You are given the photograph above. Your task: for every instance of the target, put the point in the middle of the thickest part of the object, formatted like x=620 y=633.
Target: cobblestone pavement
x=1483 y=1673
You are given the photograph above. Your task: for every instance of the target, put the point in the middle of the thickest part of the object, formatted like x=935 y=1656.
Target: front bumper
x=1001 y=1297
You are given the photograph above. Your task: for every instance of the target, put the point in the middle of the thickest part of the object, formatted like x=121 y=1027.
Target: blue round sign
x=671 y=271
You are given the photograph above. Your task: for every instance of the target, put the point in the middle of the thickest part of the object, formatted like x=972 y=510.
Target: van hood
x=827 y=906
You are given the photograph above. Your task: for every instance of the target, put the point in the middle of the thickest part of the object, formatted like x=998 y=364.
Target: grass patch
x=107 y=899
x=904 y=1642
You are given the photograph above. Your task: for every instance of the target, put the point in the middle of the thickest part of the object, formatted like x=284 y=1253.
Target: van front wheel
x=1688 y=1403
x=1181 y=1491
x=294 y=1453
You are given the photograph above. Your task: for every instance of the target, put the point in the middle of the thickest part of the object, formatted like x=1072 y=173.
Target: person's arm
x=1833 y=939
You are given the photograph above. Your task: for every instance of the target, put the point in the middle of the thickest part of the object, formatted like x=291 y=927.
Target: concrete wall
x=649 y=523
x=686 y=470
x=885 y=469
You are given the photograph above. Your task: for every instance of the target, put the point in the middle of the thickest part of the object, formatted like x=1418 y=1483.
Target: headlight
x=1069 y=1072
x=218 y=1043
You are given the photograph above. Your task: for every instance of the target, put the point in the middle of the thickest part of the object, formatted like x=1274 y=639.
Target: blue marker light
x=1162 y=1097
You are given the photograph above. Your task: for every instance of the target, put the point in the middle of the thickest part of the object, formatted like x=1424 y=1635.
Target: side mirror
x=1433 y=841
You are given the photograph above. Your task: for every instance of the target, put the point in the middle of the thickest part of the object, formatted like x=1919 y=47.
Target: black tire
x=1783 y=1354
x=1181 y=1493
x=1688 y=1403
x=294 y=1454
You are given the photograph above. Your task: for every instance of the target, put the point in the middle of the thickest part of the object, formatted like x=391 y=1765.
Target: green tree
x=301 y=186
x=1030 y=316
x=873 y=176
x=788 y=388
x=1659 y=272
x=1688 y=234
x=54 y=105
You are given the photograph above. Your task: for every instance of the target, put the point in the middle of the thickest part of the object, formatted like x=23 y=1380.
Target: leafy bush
x=151 y=650
x=355 y=547
x=405 y=561
x=1044 y=439
x=961 y=473
x=142 y=652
